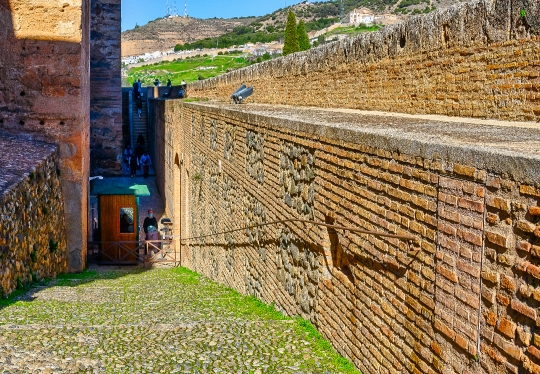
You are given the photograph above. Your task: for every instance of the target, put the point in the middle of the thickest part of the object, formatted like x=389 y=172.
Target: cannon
x=241 y=93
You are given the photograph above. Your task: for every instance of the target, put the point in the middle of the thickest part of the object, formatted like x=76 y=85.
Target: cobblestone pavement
x=157 y=321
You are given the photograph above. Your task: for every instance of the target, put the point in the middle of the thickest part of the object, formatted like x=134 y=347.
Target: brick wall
x=106 y=88
x=32 y=225
x=45 y=91
x=390 y=306
x=479 y=59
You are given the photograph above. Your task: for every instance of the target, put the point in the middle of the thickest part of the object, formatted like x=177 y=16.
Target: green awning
x=118 y=186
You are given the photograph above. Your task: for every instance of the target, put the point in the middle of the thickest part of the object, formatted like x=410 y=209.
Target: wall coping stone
x=512 y=148
x=480 y=24
x=20 y=156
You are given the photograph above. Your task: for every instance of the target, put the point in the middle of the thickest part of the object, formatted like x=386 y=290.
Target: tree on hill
x=301 y=34
x=291 y=41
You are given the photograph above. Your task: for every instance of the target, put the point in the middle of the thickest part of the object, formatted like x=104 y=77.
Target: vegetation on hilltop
x=191 y=33
x=291 y=44
x=303 y=39
x=239 y=36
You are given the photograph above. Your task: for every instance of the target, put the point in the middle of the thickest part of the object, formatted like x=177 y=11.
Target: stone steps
x=140 y=125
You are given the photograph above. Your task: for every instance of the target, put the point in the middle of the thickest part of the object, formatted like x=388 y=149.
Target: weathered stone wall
x=45 y=91
x=469 y=281
x=32 y=223
x=106 y=141
x=478 y=59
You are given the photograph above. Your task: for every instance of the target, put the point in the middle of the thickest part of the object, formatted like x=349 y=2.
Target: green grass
x=251 y=306
x=322 y=345
x=196 y=294
x=187 y=276
x=187 y=69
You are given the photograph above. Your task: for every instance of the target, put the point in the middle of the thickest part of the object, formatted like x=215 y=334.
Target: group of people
x=137 y=158
x=157 y=82
x=137 y=92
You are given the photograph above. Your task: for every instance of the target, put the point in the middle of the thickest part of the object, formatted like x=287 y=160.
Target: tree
x=291 y=41
x=301 y=34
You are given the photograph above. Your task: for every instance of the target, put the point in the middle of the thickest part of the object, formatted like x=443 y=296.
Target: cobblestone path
x=156 y=321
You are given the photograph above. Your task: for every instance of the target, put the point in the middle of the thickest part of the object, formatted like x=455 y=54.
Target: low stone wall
x=479 y=59
x=461 y=299
x=32 y=226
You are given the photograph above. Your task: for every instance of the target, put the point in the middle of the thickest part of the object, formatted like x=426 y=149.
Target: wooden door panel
x=114 y=230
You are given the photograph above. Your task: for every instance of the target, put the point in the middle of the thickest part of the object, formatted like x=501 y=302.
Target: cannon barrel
x=235 y=94
x=243 y=94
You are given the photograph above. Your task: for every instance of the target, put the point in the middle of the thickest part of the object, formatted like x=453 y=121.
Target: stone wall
x=32 y=224
x=479 y=59
x=461 y=299
x=45 y=91
x=106 y=141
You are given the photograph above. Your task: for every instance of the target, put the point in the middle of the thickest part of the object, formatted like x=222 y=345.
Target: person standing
x=138 y=104
x=127 y=155
x=169 y=83
x=136 y=89
x=133 y=164
x=140 y=140
x=145 y=162
x=150 y=221
x=182 y=90
x=140 y=88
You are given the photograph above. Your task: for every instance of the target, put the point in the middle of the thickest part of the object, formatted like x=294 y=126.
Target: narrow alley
x=128 y=320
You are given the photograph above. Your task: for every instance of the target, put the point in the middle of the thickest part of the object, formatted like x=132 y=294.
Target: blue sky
x=142 y=11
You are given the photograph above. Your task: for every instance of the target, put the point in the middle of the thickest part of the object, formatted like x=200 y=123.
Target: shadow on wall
x=344 y=261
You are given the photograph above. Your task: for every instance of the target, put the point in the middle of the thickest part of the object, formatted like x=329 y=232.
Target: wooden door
x=118 y=225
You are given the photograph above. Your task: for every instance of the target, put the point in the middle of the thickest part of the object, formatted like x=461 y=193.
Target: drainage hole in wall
x=42 y=122
x=62 y=123
x=22 y=93
x=402 y=41
x=348 y=273
x=21 y=122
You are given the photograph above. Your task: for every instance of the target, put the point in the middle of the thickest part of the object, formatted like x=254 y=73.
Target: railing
x=133 y=252
x=165 y=251
x=335 y=227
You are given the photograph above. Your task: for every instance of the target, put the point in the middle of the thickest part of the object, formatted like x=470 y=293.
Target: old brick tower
x=60 y=84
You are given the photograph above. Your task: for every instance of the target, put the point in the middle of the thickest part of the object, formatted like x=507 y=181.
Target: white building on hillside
x=360 y=15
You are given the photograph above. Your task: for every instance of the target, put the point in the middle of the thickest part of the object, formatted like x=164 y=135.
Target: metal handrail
x=353 y=229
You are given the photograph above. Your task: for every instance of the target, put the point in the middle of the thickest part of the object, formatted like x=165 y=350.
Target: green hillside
x=190 y=69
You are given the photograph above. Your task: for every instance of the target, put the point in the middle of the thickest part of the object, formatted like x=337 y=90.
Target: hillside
x=165 y=33
x=189 y=69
